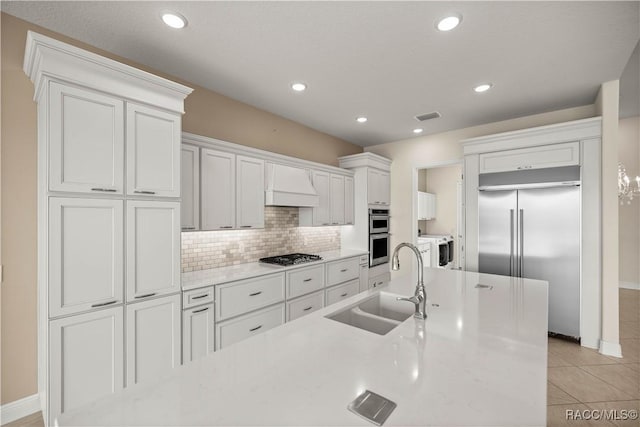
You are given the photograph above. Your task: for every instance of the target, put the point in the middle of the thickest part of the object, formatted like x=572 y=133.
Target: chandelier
x=626 y=188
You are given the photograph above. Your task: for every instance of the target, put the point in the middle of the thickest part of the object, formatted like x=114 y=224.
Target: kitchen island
x=479 y=359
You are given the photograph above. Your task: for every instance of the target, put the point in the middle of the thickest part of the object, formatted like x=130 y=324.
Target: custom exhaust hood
x=289 y=186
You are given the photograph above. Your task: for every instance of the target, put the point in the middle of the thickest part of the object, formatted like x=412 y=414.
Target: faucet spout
x=420 y=296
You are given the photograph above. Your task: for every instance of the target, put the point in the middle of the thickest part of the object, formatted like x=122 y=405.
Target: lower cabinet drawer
x=305 y=280
x=246 y=326
x=343 y=291
x=342 y=270
x=379 y=280
x=304 y=305
x=197 y=297
x=243 y=296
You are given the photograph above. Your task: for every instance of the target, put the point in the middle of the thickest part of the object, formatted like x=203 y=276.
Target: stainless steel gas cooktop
x=291 y=259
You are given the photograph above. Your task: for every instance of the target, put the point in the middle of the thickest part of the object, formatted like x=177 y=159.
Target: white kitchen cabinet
x=242 y=296
x=242 y=327
x=304 y=280
x=153 y=152
x=190 y=188
x=153 y=248
x=379 y=280
x=198 y=296
x=336 y=199
x=86 y=359
x=322 y=213
x=543 y=156
x=349 y=201
x=153 y=338
x=340 y=292
x=302 y=306
x=364 y=276
x=378 y=187
x=342 y=270
x=197 y=332
x=217 y=189
x=86 y=141
x=250 y=192
x=86 y=254
x=426 y=206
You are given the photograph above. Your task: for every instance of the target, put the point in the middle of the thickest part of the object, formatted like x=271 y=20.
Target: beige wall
x=409 y=154
x=607 y=107
x=629 y=215
x=207 y=113
x=441 y=181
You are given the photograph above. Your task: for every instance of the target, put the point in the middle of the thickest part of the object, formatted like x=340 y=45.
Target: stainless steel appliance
x=378 y=221
x=291 y=259
x=529 y=226
x=379 y=246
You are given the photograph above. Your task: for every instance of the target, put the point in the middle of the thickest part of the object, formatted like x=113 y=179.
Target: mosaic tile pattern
x=210 y=249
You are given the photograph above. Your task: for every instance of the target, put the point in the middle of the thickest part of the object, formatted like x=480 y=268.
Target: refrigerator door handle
x=511 y=217
x=521 y=239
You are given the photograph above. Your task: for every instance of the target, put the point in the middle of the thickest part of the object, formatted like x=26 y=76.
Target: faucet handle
x=412 y=299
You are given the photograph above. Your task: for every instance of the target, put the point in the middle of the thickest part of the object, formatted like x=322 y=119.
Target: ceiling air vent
x=428 y=116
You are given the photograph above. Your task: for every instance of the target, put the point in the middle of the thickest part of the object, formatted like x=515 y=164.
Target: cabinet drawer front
x=235 y=330
x=243 y=296
x=343 y=270
x=341 y=292
x=379 y=280
x=304 y=281
x=546 y=156
x=197 y=297
x=304 y=305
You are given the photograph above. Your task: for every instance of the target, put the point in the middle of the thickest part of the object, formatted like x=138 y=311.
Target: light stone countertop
x=479 y=359
x=216 y=276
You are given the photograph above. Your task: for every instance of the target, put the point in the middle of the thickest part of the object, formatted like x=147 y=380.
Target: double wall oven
x=379 y=237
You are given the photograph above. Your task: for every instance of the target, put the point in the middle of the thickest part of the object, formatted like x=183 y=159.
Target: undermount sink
x=378 y=314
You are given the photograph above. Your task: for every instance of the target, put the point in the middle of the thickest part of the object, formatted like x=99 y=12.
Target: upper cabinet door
x=153 y=248
x=153 y=152
x=86 y=254
x=373 y=189
x=86 y=141
x=217 y=187
x=337 y=199
x=348 y=200
x=190 y=184
x=321 y=213
x=384 y=188
x=250 y=197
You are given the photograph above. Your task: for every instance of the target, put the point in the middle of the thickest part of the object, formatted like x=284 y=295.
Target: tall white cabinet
x=108 y=224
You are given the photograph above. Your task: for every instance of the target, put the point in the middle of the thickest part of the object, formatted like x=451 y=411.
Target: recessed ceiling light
x=361 y=119
x=448 y=23
x=483 y=87
x=417 y=130
x=299 y=87
x=174 y=20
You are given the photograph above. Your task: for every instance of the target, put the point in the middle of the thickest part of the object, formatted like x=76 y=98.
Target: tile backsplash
x=210 y=249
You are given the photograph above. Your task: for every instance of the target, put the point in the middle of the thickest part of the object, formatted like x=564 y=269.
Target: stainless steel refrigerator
x=529 y=226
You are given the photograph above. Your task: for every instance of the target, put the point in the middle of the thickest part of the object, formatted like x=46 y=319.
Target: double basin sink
x=378 y=314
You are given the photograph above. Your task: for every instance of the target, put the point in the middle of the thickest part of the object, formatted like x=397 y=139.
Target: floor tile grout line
x=605 y=381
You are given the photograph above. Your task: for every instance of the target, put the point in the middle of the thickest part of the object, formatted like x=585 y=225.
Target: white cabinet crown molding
x=230 y=147
x=46 y=58
x=576 y=130
x=365 y=159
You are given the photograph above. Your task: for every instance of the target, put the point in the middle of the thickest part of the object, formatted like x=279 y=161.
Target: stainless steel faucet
x=420 y=296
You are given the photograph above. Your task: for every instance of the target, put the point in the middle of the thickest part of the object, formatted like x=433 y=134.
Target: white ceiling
x=384 y=60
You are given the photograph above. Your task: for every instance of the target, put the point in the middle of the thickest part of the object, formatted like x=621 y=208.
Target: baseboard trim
x=630 y=285
x=610 y=349
x=19 y=408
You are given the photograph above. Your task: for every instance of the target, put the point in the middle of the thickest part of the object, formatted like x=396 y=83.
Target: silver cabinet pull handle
x=255 y=329
x=201 y=310
x=307 y=280
x=108 y=190
x=188 y=228
x=325 y=223
x=145 y=295
x=345 y=294
x=344 y=270
x=104 y=303
x=308 y=308
x=227 y=226
x=200 y=296
x=255 y=293
x=246 y=226
x=335 y=223
x=144 y=192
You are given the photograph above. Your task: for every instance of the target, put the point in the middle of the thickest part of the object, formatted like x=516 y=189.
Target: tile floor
x=578 y=378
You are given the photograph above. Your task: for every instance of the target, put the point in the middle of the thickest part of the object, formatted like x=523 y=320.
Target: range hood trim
x=279 y=179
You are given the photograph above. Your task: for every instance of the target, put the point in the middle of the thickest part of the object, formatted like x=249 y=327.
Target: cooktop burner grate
x=291 y=259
